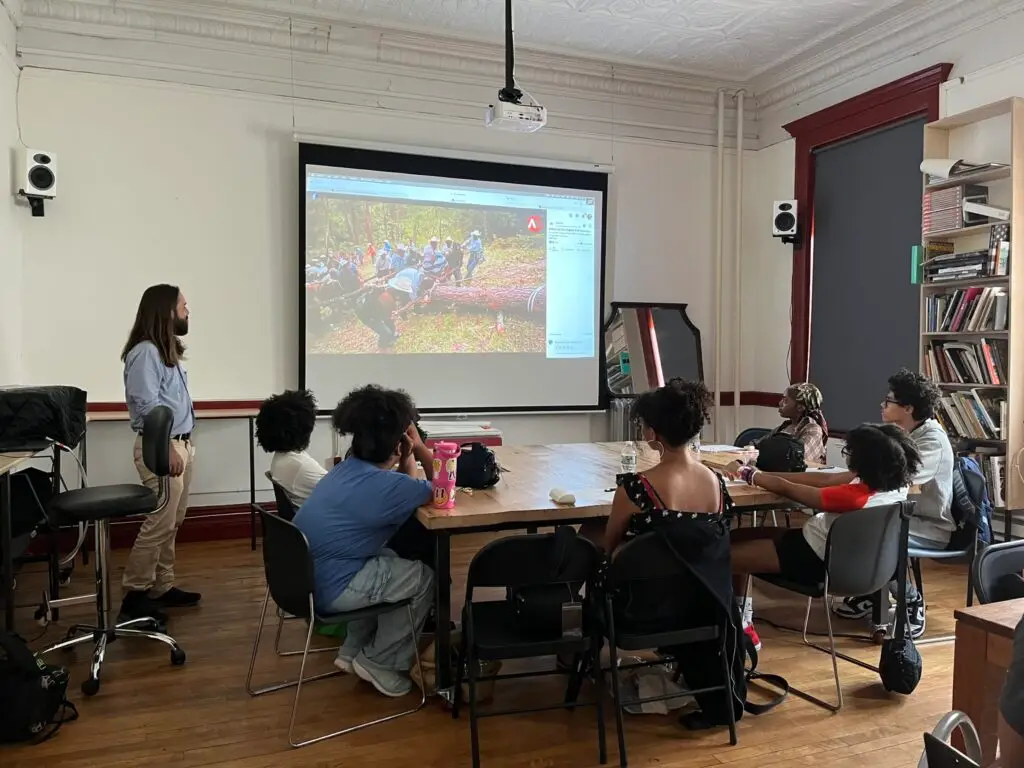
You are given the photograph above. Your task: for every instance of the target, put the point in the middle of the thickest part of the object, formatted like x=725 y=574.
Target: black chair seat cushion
x=101 y=503
x=807 y=590
x=498 y=634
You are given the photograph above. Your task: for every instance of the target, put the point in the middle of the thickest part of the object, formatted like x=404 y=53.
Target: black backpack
x=781 y=453
x=971 y=506
x=33 y=703
x=477 y=468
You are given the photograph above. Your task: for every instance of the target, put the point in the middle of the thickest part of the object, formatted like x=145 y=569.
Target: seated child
x=349 y=518
x=801 y=408
x=284 y=425
x=882 y=460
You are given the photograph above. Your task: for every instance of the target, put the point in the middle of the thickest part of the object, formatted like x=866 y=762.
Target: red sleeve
x=844 y=498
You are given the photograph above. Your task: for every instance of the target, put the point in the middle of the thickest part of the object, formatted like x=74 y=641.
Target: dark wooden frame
x=915 y=95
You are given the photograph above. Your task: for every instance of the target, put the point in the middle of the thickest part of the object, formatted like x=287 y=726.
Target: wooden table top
x=995 y=618
x=587 y=470
x=11 y=461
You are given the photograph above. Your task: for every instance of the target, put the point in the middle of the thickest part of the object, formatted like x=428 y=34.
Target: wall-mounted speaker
x=784 y=222
x=38 y=175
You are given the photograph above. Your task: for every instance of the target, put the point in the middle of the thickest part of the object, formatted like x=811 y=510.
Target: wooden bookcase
x=990 y=134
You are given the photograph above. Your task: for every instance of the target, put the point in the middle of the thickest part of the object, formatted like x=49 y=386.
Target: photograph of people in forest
x=395 y=277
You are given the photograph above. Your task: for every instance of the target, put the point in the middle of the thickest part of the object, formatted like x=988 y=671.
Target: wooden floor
x=150 y=713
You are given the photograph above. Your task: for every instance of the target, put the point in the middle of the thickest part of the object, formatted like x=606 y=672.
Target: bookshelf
x=972 y=297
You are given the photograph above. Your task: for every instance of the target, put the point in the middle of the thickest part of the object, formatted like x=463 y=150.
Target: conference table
x=521 y=500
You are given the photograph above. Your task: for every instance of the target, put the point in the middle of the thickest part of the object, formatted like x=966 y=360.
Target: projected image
x=407 y=277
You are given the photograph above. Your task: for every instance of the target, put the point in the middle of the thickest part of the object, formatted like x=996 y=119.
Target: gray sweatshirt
x=932 y=518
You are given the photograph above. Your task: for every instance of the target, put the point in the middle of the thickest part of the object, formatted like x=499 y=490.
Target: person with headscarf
x=800 y=406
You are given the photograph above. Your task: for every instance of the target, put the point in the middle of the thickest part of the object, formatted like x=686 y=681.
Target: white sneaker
x=386 y=681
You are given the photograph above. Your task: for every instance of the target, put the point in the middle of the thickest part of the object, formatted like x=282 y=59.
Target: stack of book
x=943 y=209
x=973 y=416
x=958 y=266
x=982 y=363
x=967 y=310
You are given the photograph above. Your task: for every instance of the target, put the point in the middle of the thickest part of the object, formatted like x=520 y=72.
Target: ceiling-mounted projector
x=521 y=118
x=509 y=113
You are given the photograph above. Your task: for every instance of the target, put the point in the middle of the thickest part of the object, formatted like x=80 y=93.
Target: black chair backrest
x=864 y=548
x=645 y=558
x=533 y=559
x=997 y=571
x=751 y=436
x=285 y=508
x=156 y=440
x=287 y=564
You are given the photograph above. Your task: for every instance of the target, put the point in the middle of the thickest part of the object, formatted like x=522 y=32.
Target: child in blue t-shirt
x=349 y=518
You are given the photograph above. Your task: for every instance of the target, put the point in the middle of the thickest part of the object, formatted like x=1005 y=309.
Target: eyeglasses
x=890 y=401
x=845 y=452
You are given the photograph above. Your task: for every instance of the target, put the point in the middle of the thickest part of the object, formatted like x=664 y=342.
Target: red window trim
x=912 y=96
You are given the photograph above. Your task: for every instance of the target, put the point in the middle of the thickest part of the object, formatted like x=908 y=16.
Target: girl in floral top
x=801 y=408
x=680 y=485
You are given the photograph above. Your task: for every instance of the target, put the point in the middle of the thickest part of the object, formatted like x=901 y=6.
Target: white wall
x=10 y=217
x=198 y=186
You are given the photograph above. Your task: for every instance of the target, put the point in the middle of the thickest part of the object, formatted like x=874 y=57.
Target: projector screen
x=474 y=286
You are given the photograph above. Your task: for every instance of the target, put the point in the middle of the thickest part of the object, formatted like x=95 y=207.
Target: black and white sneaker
x=852 y=607
x=915 y=617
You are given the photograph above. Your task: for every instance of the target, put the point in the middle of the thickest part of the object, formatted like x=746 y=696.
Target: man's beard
x=180 y=326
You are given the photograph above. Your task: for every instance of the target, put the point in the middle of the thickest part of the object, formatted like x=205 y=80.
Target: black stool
x=99 y=506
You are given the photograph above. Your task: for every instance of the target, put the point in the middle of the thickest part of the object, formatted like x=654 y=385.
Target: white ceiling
x=732 y=39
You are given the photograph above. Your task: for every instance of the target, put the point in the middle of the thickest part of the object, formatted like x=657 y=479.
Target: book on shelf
x=990 y=212
x=981 y=363
x=999 y=249
x=967 y=310
x=974 y=415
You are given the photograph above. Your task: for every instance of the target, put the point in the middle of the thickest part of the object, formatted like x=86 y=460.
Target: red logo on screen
x=534 y=224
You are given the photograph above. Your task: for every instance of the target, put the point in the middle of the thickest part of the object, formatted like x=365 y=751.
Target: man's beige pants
x=150 y=566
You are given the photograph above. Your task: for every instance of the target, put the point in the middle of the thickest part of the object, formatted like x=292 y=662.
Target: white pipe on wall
x=719 y=241
x=738 y=275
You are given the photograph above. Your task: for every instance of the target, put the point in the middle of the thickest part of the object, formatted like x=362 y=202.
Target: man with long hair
x=153 y=375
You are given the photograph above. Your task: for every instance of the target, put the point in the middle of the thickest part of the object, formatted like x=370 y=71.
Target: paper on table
x=723 y=449
x=828 y=469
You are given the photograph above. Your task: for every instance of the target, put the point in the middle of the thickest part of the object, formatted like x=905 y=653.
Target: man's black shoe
x=177 y=598
x=137 y=605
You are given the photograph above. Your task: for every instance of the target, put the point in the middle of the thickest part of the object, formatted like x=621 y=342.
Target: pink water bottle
x=446 y=459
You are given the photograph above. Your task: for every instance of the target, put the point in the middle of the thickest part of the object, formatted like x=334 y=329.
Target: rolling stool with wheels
x=99 y=506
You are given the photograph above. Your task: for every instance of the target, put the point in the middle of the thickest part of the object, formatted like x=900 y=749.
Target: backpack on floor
x=971 y=506
x=33 y=703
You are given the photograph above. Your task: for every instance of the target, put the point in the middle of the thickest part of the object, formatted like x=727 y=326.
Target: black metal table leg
x=252 y=482
x=7 y=544
x=443 y=610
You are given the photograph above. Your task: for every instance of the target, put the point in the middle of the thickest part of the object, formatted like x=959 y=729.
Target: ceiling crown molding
x=899 y=38
x=142 y=19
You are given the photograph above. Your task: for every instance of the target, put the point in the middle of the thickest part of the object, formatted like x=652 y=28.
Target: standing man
x=153 y=375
